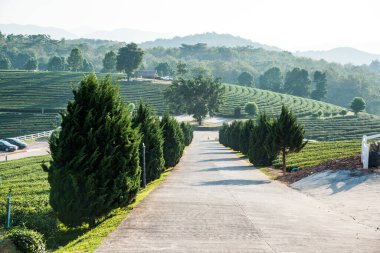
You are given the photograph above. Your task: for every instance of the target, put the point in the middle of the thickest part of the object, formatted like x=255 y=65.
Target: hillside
x=342 y=55
x=24 y=94
x=211 y=39
x=344 y=82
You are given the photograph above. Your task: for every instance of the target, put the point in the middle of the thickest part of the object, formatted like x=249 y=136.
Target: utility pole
x=144 y=169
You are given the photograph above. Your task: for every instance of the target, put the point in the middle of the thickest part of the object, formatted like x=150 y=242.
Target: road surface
x=34 y=149
x=215 y=202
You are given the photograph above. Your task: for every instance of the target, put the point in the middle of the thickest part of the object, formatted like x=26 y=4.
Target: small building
x=150 y=74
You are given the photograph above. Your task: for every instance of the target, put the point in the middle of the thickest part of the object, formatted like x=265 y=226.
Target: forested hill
x=344 y=81
x=211 y=39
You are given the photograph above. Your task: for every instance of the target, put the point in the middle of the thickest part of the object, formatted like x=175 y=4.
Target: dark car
x=17 y=142
x=6 y=146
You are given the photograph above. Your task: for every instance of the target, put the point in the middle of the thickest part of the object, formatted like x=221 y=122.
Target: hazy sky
x=289 y=24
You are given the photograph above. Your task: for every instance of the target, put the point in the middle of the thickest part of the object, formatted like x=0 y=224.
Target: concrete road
x=215 y=202
x=34 y=149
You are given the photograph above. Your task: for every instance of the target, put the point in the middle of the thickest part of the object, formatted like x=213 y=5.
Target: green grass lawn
x=30 y=207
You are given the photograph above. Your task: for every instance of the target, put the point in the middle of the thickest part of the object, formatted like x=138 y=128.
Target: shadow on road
x=230 y=168
x=223 y=159
x=234 y=182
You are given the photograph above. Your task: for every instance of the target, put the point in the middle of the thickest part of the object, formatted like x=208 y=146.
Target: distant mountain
x=54 y=32
x=126 y=35
x=343 y=55
x=211 y=39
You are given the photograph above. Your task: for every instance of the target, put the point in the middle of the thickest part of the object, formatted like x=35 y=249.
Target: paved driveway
x=215 y=202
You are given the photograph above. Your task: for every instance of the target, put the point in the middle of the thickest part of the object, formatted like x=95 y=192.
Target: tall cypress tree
x=95 y=157
x=173 y=140
x=288 y=135
x=261 y=149
x=187 y=133
x=247 y=128
x=149 y=126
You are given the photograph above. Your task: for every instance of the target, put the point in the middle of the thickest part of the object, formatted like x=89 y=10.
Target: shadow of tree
x=241 y=182
x=222 y=159
x=230 y=168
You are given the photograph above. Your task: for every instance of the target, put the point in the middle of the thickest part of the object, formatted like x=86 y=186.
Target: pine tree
x=95 y=157
x=173 y=140
x=288 y=135
x=187 y=133
x=149 y=127
x=234 y=134
x=247 y=128
x=261 y=149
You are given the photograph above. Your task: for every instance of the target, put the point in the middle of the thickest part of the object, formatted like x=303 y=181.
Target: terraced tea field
x=25 y=94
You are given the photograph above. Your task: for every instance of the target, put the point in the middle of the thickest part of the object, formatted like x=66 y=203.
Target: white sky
x=289 y=24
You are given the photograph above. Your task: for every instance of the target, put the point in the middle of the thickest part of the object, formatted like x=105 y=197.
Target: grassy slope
x=30 y=205
x=315 y=153
x=27 y=92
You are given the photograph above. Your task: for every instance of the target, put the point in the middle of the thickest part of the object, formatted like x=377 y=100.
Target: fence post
x=8 y=221
x=144 y=169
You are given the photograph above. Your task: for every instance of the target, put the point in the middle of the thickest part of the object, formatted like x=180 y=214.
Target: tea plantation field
x=24 y=95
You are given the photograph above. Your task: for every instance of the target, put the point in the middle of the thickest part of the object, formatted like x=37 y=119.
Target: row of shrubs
x=264 y=139
x=97 y=156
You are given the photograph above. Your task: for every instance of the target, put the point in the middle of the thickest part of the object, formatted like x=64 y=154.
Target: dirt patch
x=352 y=162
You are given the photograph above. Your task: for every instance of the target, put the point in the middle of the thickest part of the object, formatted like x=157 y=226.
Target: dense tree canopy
x=320 y=81
x=31 y=64
x=358 y=104
x=75 y=60
x=109 y=62
x=297 y=82
x=164 y=69
x=5 y=63
x=251 y=108
x=198 y=96
x=245 y=79
x=271 y=79
x=129 y=58
x=56 y=63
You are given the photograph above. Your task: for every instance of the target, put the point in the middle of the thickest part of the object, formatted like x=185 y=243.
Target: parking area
x=35 y=148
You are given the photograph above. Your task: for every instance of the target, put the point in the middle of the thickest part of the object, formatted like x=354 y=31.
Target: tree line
x=97 y=155
x=263 y=140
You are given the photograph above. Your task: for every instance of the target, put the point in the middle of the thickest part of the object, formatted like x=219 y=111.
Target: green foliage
x=320 y=86
x=315 y=153
x=327 y=114
x=164 y=69
x=235 y=129
x=251 y=108
x=129 y=58
x=246 y=79
x=261 y=151
x=297 y=82
x=237 y=112
x=31 y=64
x=95 y=165
x=5 y=63
x=27 y=241
x=75 y=60
x=343 y=112
x=56 y=63
x=319 y=113
x=87 y=66
x=288 y=135
x=187 y=133
x=181 y=69
x=109 y=62
x=271 y=79
x=173 y=140
x=198 y=96
x=247 y=128
x=149 y=127
x=358 y=104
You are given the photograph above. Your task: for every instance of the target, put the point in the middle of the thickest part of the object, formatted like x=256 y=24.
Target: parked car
x=17 y=142
x=6 y=146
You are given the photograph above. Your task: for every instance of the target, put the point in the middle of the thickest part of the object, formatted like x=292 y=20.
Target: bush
x=251 y=108
x=27 y=240
x=247 y=128
x=327 y=114
x=187 y=133
x=320 y=113
x=343 y=112
x=234 y=134
x=237 y=112
x=173 y=140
